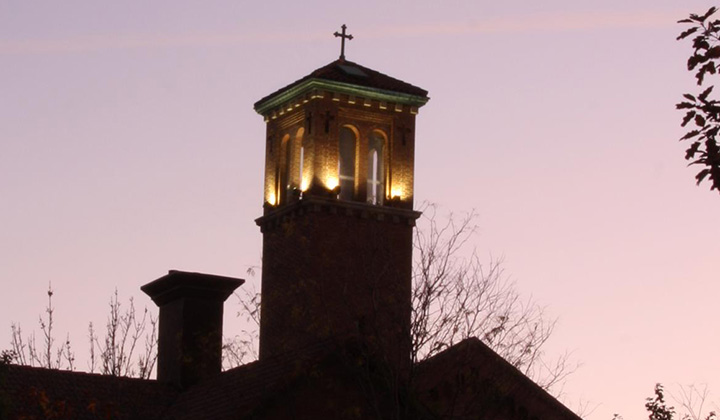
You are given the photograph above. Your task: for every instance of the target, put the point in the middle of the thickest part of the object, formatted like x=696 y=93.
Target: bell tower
x=338 y=210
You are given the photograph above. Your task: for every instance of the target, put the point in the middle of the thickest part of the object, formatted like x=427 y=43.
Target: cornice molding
x=338 y=87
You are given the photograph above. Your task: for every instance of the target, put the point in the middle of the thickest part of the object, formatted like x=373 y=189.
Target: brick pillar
x=191 y=319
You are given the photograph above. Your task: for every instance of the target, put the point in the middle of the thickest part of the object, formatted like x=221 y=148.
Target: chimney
x=191 y=319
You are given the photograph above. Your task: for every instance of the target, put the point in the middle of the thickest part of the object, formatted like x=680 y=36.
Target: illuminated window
x=376 y=173
x=346 y=163
x=284 y=178
x=298 y=159
x=302 y=161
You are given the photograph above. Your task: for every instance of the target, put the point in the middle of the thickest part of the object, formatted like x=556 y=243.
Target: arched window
x=346 y=163
x=299 y=149
x=376 y=169
x=284 y=178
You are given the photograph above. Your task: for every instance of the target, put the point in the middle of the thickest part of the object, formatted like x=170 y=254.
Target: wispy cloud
x=121 y=42
x=556 y=22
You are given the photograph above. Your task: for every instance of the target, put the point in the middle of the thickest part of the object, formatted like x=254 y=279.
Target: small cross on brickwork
x=342 y=43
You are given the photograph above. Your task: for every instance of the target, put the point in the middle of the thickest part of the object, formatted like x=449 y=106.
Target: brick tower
x=338 y=211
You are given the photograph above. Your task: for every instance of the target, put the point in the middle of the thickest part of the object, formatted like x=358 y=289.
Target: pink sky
x=128 y=146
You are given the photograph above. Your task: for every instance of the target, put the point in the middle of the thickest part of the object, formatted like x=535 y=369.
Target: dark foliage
x=692 y=404
x=657 y=407
x=702 y=113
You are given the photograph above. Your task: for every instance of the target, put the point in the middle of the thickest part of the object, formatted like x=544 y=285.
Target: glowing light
x=304 y=185
x=396 y=192
x=331 y=182
x=271 y=199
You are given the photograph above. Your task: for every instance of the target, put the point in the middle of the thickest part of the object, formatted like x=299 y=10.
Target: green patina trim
x=339 y=87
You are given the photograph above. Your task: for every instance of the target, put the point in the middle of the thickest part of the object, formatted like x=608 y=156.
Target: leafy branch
x=702 y=113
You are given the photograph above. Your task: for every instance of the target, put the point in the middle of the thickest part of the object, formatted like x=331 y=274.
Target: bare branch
x=123 y=331
x=114 y=355
x=243 y=347
x=457 y=296
x=693 y=399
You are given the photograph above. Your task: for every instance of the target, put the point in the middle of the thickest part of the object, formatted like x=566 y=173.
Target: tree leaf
x=693 y=61
x=709 y=13
x=711 y=133
x=713 y=52
x=690 y=152
x=701 y=175
x=689 y=116
x=712 y=110
x=689 y=97
x=690 y=135
x=685 y=21
x=707 y=68
x=699 y=120
x=684 y=105
x=700 y=43
x=687 y=33
x=703 y=96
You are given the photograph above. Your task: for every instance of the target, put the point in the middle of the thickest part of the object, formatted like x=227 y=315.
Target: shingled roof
x=31 y=392
x=238 y=392
x=345 y=72
x=469 y=380
x=325 y=380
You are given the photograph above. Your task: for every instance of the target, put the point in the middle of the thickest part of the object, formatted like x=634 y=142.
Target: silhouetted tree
x=242 y=348
x=457 y=296
x=26 y=351
x=123 y=332
x=117 y=354
x=702 y=112
x=691 y=399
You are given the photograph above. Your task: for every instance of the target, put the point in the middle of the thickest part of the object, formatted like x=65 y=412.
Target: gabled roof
x=351 y=78
x=470 y=380
x=30 y=392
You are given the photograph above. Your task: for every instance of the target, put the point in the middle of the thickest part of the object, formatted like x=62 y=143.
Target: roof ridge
x=334 y=73
x=53 y=371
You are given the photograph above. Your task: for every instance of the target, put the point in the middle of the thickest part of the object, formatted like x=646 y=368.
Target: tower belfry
x=338 y=210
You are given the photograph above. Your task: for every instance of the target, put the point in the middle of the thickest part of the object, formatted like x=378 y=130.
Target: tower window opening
x=376 y=173
x=295 y=186
x=346 y=163
x=300 y=171
x=284 y=178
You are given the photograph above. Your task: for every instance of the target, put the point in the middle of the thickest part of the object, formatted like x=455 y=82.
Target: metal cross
x=343 y=37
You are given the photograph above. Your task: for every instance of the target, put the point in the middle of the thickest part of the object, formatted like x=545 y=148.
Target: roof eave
x=285 y=96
